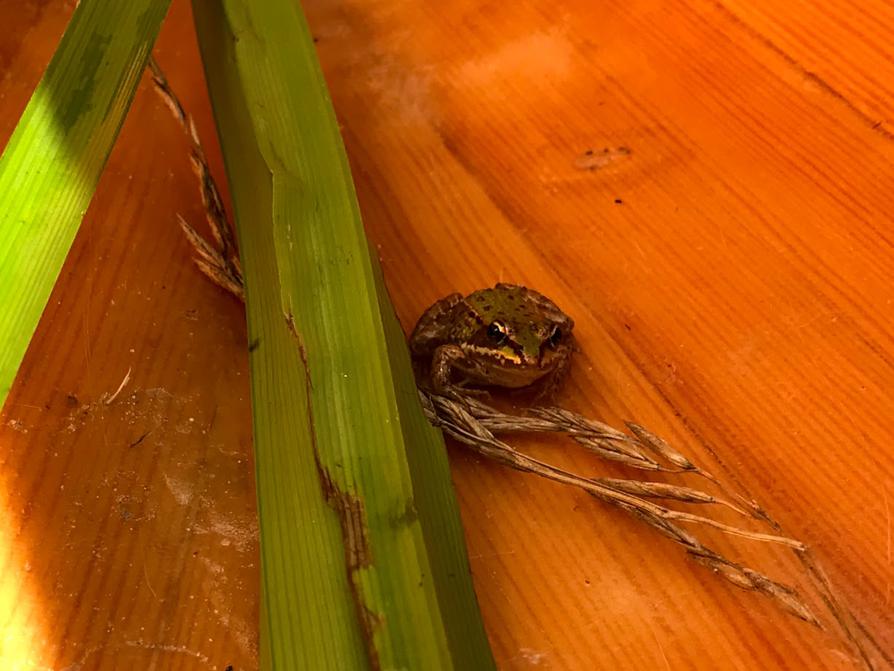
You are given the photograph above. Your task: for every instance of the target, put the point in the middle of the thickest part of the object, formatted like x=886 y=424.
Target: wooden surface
x=706 y=187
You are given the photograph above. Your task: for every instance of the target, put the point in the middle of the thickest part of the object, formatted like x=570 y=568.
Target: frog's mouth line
x=513 y=354
x=516 y=353
x=503 y=367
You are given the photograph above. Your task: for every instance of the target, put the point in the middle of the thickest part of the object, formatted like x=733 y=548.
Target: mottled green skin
x=505 y=337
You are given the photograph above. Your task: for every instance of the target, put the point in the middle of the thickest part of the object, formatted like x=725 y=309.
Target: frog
x=506 y=336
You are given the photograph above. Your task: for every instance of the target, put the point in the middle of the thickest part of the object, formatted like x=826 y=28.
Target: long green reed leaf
x=363 y=558
x=52 y=163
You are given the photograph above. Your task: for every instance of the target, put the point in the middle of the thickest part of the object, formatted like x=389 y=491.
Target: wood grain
x=725 y=249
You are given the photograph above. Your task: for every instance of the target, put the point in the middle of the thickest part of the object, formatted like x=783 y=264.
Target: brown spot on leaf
x=353 y=521
x=352 y=517
x=358 y=555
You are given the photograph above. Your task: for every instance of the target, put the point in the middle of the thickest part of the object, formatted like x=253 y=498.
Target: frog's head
x=523 y=325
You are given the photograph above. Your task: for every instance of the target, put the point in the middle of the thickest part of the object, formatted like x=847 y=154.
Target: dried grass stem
x=475 y=424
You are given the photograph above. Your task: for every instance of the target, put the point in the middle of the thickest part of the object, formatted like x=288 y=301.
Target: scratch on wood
x=352 y=517
x=140 y=439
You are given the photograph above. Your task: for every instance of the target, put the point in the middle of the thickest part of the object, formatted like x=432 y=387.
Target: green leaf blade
x=379 y=475
x=53 y=161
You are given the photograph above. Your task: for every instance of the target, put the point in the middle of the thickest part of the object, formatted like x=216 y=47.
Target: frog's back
x=531 y=315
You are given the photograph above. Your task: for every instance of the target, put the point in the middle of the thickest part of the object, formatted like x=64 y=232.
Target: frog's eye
x=555 y=337
x=497 y=332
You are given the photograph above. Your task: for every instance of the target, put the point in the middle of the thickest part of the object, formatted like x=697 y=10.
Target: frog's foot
x=475 y=392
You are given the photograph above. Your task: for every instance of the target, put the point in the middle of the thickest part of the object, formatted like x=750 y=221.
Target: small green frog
x=507 y=336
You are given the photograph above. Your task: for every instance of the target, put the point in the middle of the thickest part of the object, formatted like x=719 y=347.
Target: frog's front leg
x=550 y=383
x=443 y=364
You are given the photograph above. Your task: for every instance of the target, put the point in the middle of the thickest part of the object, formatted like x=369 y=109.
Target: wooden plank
x=736 y=301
